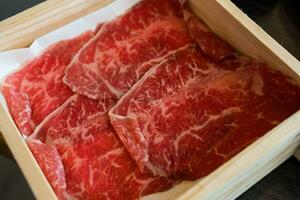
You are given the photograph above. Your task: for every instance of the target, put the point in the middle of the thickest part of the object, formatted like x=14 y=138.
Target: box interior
x=233 y=177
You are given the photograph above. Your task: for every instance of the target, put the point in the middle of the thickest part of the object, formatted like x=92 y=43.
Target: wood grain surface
x=22 y=29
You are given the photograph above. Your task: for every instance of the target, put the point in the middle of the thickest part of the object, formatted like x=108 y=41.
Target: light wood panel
x=32 y=172
x=22 y=29
x=226 y=20
x=234 y=26
x=260 y=158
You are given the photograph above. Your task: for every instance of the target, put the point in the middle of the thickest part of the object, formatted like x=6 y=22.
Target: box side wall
x=235 y=27
x=214 y=13
x=260 y=158
x=23 y=156
x=249 y=166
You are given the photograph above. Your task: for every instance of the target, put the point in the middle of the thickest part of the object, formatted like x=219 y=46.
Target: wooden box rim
x=232 y=178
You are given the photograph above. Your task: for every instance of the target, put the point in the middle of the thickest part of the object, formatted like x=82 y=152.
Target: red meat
x=37 y=89
x=125 y=48
x=96 y=164
x=186 y=116
x=50 y=162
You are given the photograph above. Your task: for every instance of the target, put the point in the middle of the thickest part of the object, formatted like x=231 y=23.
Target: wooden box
x=226 y=20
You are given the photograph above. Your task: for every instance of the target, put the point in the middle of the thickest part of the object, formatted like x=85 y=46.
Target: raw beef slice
x=50 y=163
x=185 y=117
x=210 y=44
x=97 y=166
x=125 y=48
x=37 y=88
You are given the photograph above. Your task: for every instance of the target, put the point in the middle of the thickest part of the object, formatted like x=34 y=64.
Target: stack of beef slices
x=145 y=101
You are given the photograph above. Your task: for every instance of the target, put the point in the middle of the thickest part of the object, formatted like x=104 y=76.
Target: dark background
x=281 y=20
